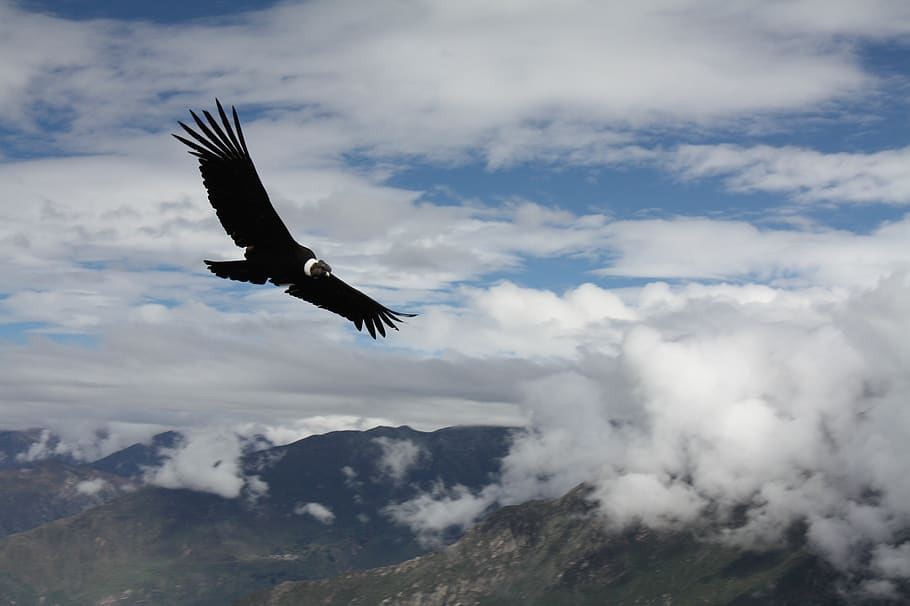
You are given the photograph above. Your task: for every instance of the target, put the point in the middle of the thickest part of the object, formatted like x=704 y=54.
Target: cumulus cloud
x=318 y=511
x=781 y=405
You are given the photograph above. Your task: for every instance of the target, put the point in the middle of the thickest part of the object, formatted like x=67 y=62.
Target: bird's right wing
x=338 y=296
x=234 y=188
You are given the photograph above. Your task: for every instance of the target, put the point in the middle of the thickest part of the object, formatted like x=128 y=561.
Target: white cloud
x=510 y=319
x=480 y=75
x=398 y=457
x=92 y=487
x=207 y=461
x=86 y=440
x=699 y=248
x=298 y=429
x=431 y=514
x=806 y=175
x=786 y=402
x=317 y=510
x=45 y=447
x=652 y=500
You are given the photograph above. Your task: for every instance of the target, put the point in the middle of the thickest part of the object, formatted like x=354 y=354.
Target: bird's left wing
x=337 y=296
x=234 y=188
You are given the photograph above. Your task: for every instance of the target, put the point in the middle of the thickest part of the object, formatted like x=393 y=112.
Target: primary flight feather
x=271 y=253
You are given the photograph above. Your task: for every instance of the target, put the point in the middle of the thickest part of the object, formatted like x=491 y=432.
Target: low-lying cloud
x=787 y=403
x=318 y=511
x=208 y=461
x=397 y=457
x=432 y=514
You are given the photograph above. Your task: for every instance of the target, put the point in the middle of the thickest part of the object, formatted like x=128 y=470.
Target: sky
x=667 y=237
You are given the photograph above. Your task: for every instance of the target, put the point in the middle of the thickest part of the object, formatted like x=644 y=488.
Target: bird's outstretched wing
x=337 y=296
x=234 y=188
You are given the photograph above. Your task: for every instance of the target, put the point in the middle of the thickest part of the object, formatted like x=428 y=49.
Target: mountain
x=358 y=473
x=557 y=552
x=32 y=495
x=15 y=443
x=179 y=547
x=132 y=461
x=15 y=447
x=53 y=485
x=321 y=534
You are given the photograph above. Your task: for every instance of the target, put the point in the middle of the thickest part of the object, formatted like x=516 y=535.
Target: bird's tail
x=236 y=270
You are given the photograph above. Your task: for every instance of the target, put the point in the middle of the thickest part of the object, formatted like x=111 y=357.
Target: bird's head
x=317 y=268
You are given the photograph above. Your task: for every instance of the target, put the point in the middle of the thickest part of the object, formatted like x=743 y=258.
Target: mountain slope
x=41 y=492
x=35 y=492
x=179 y=547
x=552 y=553
x=131 y=462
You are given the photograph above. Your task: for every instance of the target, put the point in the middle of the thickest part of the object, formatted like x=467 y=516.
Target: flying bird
x=270 y=252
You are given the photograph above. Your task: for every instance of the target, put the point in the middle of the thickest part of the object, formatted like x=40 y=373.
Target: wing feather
x=337 y=296
x=233 y=185
x=224 y=119
x=239 y=130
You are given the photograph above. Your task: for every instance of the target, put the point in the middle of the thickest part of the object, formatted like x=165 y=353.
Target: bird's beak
x=325 y=267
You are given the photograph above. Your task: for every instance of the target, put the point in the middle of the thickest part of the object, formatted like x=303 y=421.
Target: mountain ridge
x=558 y=552
x=178 y=546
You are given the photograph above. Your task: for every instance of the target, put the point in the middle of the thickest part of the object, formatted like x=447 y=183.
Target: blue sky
x=689 y=216
x=167 y=11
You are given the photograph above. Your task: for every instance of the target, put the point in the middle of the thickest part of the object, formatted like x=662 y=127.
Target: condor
x=271 y=253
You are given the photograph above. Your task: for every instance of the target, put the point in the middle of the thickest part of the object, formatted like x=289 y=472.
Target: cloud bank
x=509 y=82
x=787 y=402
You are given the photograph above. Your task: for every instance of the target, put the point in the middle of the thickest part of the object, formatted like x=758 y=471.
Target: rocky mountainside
x=179 y=547
x=557 y=552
